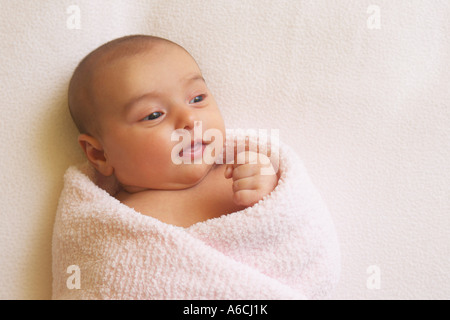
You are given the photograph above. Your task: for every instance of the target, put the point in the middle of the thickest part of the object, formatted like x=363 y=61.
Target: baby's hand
x=253 y=177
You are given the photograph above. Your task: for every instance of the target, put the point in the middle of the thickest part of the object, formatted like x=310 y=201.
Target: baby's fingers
x=245 y=171
x=250 y=183
x=246 y=198
x=241 y=171
x=228 y=171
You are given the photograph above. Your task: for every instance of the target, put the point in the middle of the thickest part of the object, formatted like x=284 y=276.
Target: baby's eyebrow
x=137 y=99
x=187 y=80
x=193 y=78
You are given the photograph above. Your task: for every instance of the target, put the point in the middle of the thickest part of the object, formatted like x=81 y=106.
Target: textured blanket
x=284 y=247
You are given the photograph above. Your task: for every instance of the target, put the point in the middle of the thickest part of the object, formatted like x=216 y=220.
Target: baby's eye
x=153 y=116
x=197 y=99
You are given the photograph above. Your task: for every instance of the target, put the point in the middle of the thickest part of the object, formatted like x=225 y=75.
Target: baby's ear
x=95 y=154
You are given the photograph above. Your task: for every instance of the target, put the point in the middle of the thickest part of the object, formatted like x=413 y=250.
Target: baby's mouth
x=194 y=150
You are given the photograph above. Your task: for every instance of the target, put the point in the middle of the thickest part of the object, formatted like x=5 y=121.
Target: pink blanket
x=284 y=247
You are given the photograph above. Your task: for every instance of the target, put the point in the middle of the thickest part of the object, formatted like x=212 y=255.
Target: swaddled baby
x=170 y=206
x=128 y=98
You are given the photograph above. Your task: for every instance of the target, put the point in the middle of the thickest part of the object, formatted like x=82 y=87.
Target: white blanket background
x=361 y=89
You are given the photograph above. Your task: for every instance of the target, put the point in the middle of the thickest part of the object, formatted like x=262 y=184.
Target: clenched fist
x=253 y=177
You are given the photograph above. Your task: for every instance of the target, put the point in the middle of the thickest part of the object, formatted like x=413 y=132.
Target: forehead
x=169 y=61
x=161 y=58
x=159 y=68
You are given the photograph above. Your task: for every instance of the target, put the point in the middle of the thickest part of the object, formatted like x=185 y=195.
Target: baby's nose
x=186 y=118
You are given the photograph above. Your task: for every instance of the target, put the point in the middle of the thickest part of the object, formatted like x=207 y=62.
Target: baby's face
x=143 y=100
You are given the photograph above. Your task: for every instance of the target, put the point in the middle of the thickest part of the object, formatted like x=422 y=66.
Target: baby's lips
x=190 y=146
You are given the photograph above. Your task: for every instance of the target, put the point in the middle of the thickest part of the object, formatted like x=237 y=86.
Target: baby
x=141 y=219
x=127 y=99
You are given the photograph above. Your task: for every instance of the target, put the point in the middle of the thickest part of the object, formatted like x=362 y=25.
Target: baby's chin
x=185 y=177
x=192 y=174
